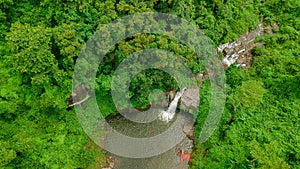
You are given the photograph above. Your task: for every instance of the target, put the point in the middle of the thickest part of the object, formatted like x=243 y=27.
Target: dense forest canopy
x=41 y=40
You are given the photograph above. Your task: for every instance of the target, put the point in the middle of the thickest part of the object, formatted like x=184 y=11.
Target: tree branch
x=81 y=101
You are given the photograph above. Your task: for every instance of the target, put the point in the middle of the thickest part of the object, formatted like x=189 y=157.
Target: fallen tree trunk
x=81 y=101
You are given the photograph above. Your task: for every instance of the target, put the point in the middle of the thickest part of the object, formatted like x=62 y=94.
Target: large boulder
x=190 y=99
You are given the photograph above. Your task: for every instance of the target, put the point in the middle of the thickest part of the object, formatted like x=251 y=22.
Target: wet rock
x=190 y=99
x=188 y=129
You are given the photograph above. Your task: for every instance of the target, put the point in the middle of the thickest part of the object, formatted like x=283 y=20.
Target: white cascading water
x=168 y=115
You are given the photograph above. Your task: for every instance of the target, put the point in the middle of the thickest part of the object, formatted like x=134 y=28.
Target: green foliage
x=41 y=40
x=263 y=102
x=249 y=94
x=55 y=145
x=148 y=81
x=7 y=154
x=268 y=156
x=31 y=48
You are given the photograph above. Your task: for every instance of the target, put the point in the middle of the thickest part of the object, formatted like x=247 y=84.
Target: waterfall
x=169 y=114
x=239 y=51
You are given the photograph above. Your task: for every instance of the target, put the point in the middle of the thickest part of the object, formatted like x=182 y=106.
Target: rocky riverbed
x=239 y=51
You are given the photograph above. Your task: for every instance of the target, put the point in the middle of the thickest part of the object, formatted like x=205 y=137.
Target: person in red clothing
x=184 y=156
